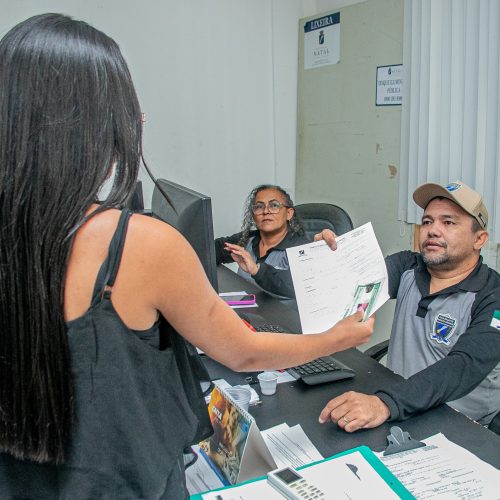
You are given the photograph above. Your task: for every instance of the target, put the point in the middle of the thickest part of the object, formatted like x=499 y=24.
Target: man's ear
x=480 y=239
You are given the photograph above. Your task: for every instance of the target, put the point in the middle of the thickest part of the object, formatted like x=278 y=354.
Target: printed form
x=443 y=469
x=330 y=285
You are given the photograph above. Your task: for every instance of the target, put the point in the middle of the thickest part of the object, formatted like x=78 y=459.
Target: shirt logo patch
x=495 y=320
x=444 y=326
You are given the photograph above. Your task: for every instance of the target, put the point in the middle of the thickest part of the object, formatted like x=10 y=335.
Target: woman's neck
x=270 y=240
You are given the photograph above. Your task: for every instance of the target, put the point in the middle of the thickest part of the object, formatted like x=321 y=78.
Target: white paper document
x=290 y=446
x=346 y=477
x=330 y=285
x=200 y=476
x=257 y=490
x=443 y=469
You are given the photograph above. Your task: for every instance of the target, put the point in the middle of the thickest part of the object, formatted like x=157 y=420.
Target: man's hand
x=242 y=258
x=329 y=236
x=352 y=411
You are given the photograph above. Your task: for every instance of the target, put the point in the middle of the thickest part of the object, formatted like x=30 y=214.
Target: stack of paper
x=443 y=469
x=289 y=446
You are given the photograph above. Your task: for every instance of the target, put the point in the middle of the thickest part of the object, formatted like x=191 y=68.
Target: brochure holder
x=399 y=441
x=236 y=451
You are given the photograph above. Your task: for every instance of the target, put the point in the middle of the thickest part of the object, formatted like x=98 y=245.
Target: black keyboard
x=318 y=371
x=321 y=370
x=267 y=327
x=260 y=324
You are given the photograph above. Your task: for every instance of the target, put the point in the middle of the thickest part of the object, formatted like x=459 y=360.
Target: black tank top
x=135 y=412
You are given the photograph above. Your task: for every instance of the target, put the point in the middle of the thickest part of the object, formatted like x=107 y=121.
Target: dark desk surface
x=296 y=403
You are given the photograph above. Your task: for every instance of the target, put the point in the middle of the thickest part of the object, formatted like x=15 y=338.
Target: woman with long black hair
x=99 y=394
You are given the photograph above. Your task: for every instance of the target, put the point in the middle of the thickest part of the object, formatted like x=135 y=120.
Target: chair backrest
x=318 y=216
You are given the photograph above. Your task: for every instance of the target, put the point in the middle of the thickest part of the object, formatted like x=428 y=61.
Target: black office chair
x=318 y=216
x=378 y=351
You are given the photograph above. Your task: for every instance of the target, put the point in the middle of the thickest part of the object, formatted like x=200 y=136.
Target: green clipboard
x=389 y=478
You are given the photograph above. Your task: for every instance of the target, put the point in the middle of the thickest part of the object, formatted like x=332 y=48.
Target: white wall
x=348 y=148
x=218 y=83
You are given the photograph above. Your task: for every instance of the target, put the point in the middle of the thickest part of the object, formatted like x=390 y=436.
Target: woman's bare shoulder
x=156 y=245
x=146 y=236
x=153 y=234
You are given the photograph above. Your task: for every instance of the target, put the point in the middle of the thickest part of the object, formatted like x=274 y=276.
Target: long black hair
x=68 y=113
x=248 y=222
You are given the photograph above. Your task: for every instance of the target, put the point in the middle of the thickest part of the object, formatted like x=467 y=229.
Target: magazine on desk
x=236 y=451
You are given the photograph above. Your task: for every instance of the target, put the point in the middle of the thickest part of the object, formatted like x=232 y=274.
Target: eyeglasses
x=273 y=207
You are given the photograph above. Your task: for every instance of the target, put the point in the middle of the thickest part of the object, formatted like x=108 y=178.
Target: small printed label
x=495 y=320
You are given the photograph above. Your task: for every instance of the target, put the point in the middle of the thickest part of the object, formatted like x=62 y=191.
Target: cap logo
x=453 y=187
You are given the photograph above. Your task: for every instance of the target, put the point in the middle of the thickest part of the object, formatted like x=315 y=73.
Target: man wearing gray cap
x=445 y=338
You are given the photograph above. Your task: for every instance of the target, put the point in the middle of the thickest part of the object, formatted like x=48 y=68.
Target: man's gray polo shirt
x=444 y=344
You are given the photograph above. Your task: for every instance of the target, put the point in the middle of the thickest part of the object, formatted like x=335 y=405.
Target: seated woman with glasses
x=261 y=253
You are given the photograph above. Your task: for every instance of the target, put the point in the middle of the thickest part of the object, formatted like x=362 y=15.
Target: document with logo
x=330 y=285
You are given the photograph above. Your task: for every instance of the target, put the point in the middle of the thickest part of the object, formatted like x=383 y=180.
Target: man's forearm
x=446 y=380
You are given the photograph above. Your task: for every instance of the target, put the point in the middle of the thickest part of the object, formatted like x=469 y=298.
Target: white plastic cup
x=268 y=381
x=240 y=395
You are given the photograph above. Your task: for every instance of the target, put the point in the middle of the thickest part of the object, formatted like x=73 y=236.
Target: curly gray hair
x=248 y=222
